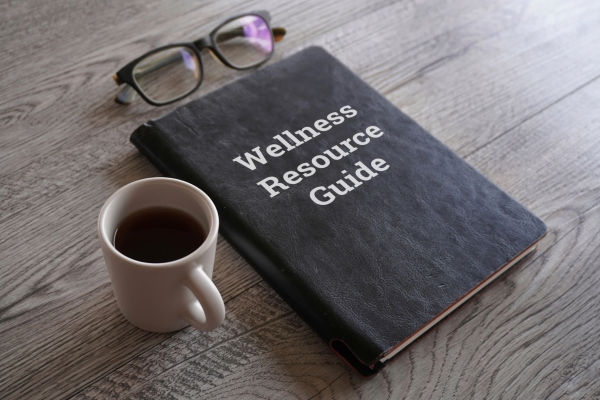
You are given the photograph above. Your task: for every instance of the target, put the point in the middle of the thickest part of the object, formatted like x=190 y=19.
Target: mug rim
x=210 y=237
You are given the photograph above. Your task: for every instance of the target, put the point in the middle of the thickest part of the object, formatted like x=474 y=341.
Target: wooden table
x=510 y=85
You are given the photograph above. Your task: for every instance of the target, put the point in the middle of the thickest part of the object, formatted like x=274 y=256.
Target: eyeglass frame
x=125 y=74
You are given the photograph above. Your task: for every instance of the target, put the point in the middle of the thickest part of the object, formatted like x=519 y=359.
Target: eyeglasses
x=169 y=73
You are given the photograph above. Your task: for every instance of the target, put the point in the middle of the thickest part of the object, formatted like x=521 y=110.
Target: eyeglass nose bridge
x=205 y=42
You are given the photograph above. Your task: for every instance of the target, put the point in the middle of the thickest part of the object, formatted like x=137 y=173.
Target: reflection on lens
x=245 y=41
x=168 y=74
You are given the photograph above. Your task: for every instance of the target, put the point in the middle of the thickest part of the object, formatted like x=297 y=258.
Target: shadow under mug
x=168 y=296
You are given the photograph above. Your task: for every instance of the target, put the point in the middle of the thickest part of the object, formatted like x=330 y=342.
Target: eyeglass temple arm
x=278 y=34
x=126 y=95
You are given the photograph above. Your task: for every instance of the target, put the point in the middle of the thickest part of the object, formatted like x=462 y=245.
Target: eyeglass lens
x=245 y=41
x=168 y=74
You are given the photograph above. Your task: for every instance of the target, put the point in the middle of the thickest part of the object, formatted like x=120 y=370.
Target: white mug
x=168 y=296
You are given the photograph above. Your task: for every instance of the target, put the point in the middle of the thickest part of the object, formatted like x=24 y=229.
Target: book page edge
x=401 y=346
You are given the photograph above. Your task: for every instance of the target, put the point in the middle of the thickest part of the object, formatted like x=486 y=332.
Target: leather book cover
x=369 y=227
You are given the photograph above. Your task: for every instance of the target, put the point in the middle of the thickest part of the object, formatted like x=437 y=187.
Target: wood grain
x=510 y=85
x=478 y=349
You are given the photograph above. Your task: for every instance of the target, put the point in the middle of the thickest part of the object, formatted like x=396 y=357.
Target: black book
x=369 y=227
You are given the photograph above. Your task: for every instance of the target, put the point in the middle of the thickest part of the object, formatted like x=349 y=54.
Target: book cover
x=369 y=227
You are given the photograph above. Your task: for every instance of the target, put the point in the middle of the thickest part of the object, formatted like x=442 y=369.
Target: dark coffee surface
x=158 y=235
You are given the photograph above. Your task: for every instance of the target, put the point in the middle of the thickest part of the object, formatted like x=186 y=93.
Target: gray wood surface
x=510 y=85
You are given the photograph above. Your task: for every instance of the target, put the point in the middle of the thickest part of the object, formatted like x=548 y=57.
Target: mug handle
x=209 y=311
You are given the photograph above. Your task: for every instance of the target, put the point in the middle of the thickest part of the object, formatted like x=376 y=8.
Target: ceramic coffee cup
x=168 y=296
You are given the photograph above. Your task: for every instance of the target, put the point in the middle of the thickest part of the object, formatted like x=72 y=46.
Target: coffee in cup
x=158 y=238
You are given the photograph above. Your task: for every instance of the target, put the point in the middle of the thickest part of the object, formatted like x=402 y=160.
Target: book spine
x=137 y=138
